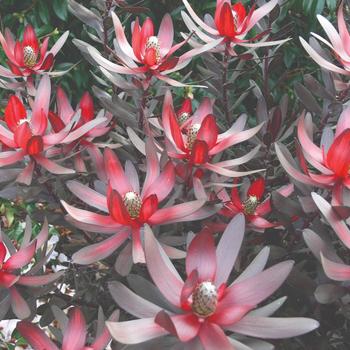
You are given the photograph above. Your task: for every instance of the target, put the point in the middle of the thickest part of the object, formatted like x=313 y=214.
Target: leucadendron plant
x=172 y=165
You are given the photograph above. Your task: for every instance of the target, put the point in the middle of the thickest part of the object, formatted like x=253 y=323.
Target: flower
x=198 y=139
x=185 y=111
x=149 y=53
x=29 y=56
x=329 y=159
x=65 y=115
x=251 y=204
x=230 y=25
x=332 y=264
x=28 y=134
x=13 y=260
x=205 y=306
x=74 y=334
x=339 y=43
x=128 y=207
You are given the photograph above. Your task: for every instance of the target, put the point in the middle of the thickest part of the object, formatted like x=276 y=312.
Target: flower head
x=230 y=25
x=204 y=308
x=95 y=126
x=149 y=53
x=251 y=203
x=198 y=139
x=29 y=56
x=128 y=206
x=28 y=134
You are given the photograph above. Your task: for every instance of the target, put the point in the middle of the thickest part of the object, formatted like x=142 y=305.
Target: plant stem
x=143 y=117
x=224 y=85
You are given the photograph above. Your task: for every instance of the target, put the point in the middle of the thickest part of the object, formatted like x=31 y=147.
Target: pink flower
x=28 y=136
x=65 y=116
x=128 y=207
x=251 y=204
x=74 y=333
x=329 y=159
x=333 y=265
x=339 y=44
x=206 y=306
x=12 y=260
x=197 y=139
x=230 y=25
x=29 y=56
x=150 y=53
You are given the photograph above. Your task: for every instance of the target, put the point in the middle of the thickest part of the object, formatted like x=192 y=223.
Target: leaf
x=86 y=16
x=44 y=12
x=61 y=9
x=307 y=99
x=331 y=4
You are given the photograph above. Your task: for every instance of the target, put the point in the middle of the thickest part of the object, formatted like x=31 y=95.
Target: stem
x=143 y=117
x=224 y=84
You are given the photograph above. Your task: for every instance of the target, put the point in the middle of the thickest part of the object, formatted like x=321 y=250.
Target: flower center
x=133 y=204
x=204 y=299
x=192 y=135
x=250 y=204
x=183 y=117
x=153 y=43
x=29 y=56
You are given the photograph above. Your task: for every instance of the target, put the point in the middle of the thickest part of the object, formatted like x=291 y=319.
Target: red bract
x=74 y=334
x=330 y=159
x=197 y=140
x=11 y=263
x=149 y=53
x=29 y=136
x=230 y=25
x=65 y=115
x=29 y=56
x=251 y=204
x=128 y=207
x=206 y=305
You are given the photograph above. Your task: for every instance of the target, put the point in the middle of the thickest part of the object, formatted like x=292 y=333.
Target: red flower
x=230 y=25
x=95 y=126
x=29 y=135
x=197 y=140
x=231 y=20
x=149 y=52
x=206 y=304
x=129 y=207
x=29 y=56
x=250 y=204
x=74 y=334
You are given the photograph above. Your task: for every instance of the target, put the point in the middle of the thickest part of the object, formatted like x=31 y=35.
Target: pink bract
x=206 y=306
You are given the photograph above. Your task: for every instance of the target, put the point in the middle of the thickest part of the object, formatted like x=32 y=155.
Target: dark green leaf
x=61 y=9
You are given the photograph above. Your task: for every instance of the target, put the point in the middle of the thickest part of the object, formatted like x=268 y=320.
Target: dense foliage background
x=288 y=72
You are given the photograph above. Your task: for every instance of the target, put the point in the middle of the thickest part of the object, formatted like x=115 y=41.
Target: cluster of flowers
x=206 y=307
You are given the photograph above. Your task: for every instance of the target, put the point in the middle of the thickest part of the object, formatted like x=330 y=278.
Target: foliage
x=141 y=158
